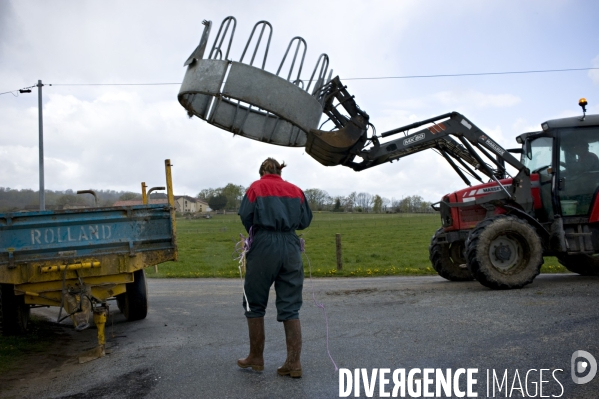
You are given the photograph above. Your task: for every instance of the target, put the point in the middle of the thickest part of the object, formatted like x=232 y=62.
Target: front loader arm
x=457 y=139
x=439 y=136
x=349 y=138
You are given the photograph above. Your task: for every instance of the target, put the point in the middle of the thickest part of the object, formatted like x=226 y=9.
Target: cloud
x=455 y=100
x=119 y=140
x=109 y=137
x=476 y=99
x=7 y=24
x=522 y=125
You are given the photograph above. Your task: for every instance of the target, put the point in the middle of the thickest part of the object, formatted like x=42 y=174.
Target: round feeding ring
x=247 y=100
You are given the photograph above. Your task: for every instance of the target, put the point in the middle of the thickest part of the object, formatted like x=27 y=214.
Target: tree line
x=228 y=197
x=320 y=200
x=12 y=200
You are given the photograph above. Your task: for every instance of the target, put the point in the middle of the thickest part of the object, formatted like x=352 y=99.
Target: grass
x=37 y=339
x=373 y=245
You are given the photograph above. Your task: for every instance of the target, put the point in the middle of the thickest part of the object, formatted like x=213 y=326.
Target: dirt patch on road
x=360 y=291
x=43 y=363
x=133 y=385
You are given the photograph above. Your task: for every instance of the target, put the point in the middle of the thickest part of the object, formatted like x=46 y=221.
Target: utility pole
x=41 y=147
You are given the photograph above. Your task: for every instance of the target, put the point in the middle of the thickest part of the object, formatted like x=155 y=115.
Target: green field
x=373 y=245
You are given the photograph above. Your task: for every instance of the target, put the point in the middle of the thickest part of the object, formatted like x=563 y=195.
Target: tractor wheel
x=448 y=259
x=504 y=252
x=585 y=265
x=14 y=312
x=134 y=302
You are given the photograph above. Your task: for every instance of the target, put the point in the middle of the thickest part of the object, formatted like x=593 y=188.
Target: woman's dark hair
x=271 y=166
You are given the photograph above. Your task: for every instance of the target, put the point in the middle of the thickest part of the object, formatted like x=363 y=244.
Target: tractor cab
x=565 y=155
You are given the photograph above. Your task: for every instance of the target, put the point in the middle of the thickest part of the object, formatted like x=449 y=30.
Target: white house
x=187 y=204
x=183 y=204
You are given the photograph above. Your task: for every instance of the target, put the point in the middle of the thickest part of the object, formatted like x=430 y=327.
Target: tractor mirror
x=527 y=148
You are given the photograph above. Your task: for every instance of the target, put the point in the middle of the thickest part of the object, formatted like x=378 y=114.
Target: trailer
x=78 y=259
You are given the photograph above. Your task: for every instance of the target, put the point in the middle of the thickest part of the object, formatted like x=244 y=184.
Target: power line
x=366 y=78
x=473 y=74
x=114 y=84
x=17 y=91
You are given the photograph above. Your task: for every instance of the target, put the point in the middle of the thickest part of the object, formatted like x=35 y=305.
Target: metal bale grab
x=244 y=98
x=249 y=101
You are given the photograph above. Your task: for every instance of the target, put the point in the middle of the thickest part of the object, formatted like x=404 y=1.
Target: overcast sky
x=114 y=137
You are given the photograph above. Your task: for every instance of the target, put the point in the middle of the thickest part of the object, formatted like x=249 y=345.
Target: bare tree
x=377 y=204
x=395 y=204
x=317 y=198
x=350 y=202
x=363 y=200
x=386 y=203
x=128 y=196
x=414 y=203
x=208 y=193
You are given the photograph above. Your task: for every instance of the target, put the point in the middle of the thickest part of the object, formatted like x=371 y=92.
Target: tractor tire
x=14 y=312
x=448 y=259
x=134 y=302
x=585 y=265
x=504 y=252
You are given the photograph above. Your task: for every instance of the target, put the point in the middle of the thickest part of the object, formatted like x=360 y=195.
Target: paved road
x=195 y=331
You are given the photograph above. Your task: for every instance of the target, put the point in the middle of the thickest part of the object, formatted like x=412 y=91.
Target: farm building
x=187 y=204
x=183 y=204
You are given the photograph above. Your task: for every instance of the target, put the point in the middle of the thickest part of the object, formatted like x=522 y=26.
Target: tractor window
x=579 y=169
x=541 y=150
x=541 y=154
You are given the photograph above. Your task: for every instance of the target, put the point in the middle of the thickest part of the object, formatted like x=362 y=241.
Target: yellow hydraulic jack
x=100 y=316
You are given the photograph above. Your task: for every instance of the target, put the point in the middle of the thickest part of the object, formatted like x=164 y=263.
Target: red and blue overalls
x=274 y=209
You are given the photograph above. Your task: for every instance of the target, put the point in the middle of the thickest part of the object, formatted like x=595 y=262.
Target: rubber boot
x=255 y=359
x=293 y=335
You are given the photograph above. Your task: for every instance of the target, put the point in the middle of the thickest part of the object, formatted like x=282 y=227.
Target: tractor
x=496 y=232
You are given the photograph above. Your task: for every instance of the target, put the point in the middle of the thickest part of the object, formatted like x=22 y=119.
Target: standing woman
x=271 y=211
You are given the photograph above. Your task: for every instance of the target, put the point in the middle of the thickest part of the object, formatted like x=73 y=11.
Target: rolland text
x=71 y=234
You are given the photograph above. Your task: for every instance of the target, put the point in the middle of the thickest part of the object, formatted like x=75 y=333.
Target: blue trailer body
x=78 y=259
x=66 y=236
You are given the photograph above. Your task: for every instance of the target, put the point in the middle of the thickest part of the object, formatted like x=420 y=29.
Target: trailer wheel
x=504 y=252
x=14 y=312
x=448 y=259
x=585 y=265
x=134 y=302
